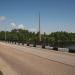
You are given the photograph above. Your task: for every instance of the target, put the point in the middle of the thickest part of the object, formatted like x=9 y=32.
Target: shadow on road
x=1 y=73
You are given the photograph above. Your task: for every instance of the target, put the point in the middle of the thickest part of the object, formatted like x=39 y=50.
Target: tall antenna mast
x=39 y=29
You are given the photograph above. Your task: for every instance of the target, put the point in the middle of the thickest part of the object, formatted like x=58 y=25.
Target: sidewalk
x=62 y=57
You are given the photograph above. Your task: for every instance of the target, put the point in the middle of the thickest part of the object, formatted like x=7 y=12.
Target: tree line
x=25 y=36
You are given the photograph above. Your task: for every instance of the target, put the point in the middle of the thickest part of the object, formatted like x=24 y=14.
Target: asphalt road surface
x=37 y=61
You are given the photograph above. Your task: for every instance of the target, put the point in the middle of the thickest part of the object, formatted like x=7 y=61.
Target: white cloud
x=33 y=30
x=2 y=18
x=21 y=26
x=13 y=25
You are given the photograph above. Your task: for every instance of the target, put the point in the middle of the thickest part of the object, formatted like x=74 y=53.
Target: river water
x=66 y=45
x=70 y=46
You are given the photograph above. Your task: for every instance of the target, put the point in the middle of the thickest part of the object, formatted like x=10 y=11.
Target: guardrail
x=45 y=47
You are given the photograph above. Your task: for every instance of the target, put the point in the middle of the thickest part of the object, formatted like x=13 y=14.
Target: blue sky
x=56 y=15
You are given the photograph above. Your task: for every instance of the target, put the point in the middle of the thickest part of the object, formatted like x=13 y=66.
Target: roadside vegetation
x=24 y=36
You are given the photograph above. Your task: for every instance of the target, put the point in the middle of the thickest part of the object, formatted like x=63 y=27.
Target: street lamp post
x=43 y=42
x=39 y=29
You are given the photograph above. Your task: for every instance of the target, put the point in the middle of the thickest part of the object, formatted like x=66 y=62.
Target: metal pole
x=39 y=29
